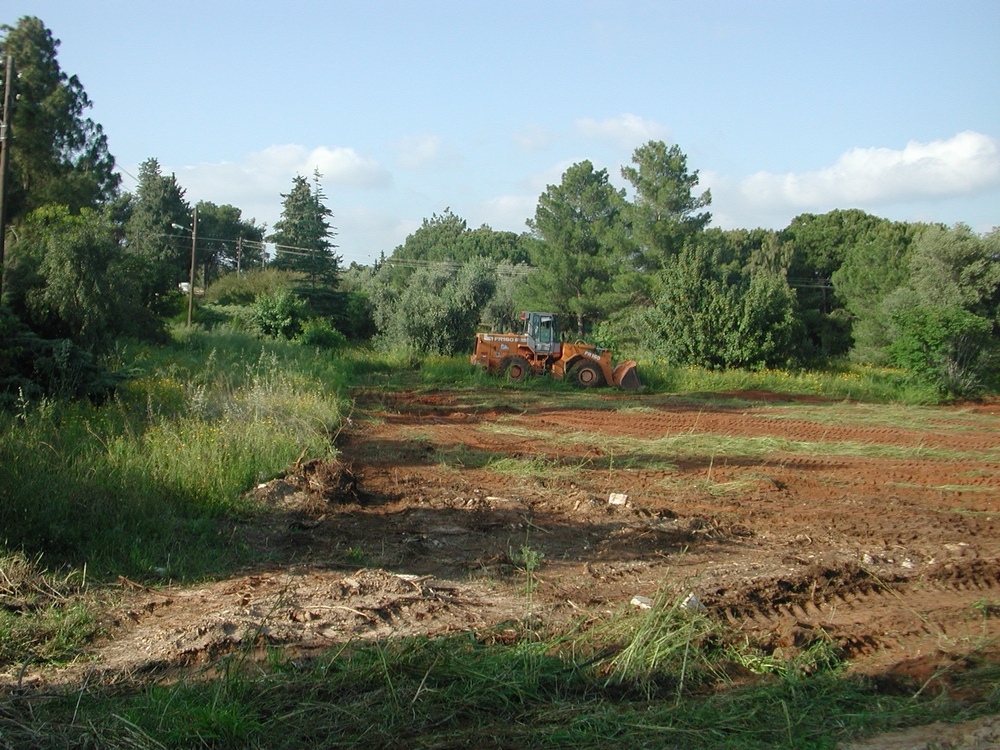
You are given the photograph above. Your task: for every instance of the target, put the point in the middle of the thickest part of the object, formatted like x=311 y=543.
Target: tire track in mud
x=760 y=424
x=905 y=516
x=798 y=546
x=867 y=614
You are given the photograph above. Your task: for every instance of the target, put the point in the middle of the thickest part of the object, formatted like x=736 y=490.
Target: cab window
x=545 y=331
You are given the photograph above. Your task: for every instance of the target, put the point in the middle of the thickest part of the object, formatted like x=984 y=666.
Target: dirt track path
x=793 y=521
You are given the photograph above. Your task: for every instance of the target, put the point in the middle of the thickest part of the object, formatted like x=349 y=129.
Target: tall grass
x=839 y=382
x=856 y=383
x=484 y=691
x=40 y=613
x=136 y=486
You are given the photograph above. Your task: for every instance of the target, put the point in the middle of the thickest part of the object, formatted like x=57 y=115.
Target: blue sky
x=411 y=107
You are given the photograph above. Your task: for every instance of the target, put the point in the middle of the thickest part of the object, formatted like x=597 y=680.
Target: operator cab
x=542 y=330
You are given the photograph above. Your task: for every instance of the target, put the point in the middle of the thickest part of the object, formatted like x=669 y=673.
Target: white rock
x=693 y=602
x=642 y=602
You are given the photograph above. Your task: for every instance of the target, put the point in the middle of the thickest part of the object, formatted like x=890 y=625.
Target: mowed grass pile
x=137 y=486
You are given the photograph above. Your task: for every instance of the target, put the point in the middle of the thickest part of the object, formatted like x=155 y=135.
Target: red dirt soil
x=874 y=528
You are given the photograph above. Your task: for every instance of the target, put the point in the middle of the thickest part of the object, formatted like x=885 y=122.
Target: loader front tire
x=586 y=375
x=515 y=369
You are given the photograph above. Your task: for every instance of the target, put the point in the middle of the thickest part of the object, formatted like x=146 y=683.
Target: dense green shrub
x=32 y=367
x=66 y=277
x=356 y=317
x=948 y=347
x=321 y=334
x=437 y=311
x=245 y=288
x=722 y=305
x=278 y=315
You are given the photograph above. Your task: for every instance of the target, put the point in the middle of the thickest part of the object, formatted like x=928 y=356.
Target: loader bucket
x=626 y=378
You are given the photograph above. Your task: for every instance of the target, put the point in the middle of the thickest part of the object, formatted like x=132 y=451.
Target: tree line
x=85 y=262
x=642 y=269
x=649 y=274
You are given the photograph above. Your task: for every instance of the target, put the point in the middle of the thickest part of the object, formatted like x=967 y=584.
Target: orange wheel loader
x=538 y=350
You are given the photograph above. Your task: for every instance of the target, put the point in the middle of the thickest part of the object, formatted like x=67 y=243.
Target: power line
x=451 y=265
x=199 y=239
x=288 y=248
x=125 y=172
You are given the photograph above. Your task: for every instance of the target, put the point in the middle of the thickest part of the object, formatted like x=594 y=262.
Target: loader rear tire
x=586 y=375
x=515 y=369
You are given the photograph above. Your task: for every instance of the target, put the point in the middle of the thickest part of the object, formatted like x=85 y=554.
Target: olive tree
x=436 y=312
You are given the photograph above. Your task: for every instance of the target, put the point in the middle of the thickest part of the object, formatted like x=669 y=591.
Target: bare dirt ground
x=800 y=520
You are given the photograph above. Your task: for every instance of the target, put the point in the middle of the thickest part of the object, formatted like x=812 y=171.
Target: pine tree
x=579 y=224
x=666 y=213
x=303 y=235
x=57 y=155
x=162 y=251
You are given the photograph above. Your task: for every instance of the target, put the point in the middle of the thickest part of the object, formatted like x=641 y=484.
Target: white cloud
x=424 y=152
x=255 y=192
x=729 y=209
x=340 y=166
x=364 y=232
x=962 y=165
x=941 y=180
x=345 y=167
x=417 y=151
x=255 y=183
x=504 y=213
x=534 y=138
x=625 y=131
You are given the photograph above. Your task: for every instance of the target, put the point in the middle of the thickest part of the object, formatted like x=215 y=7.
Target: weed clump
x=42 y=616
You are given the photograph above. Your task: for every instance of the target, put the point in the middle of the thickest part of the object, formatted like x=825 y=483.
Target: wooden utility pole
x=194 y=239
x=8 y=85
